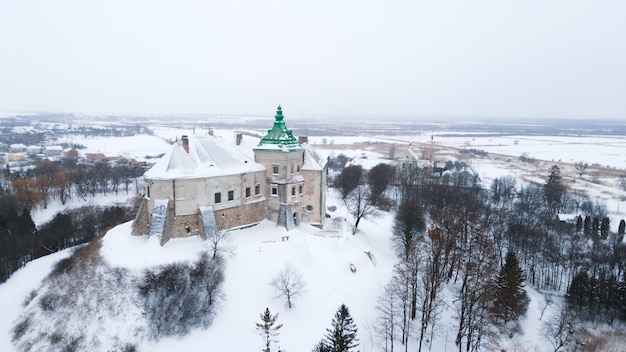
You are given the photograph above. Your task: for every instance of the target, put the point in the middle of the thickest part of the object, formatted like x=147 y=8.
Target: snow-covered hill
x=257 y=255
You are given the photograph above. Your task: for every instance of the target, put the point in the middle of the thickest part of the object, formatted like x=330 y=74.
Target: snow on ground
x=323 y=258
x=258 y=253
x=603 y=150
x=17 y=288
x=135 y=147
x=41 y=215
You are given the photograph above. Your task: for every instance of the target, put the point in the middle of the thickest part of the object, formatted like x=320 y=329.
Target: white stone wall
x=189 y=194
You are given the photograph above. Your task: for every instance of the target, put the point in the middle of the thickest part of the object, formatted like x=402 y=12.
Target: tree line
x=69 y=178
x=21 y=241
x=485 y=244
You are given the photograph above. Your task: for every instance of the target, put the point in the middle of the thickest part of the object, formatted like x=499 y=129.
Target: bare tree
x=288 y=282
x=475 y=294
x=581 y=167
x=409 y=223
x=216 y=236
x=349 y=179
x=388 y=320
x=559 y=329
x=433 y=277
x=360 y=204
x=543 y=305
x=622 y=182
x=379 y=177
x=503 y=190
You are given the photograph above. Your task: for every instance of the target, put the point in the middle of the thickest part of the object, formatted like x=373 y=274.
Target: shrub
x=20 y=329
x=178 y=297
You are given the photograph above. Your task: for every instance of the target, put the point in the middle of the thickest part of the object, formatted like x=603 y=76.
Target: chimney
x=303 y=139
x=185 y=140
x=238 y=138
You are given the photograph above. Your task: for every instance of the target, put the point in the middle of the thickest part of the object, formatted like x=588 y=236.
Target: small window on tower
x=274 y=191
x=247 y=192
x=293 y=191
x=275 y=170
x=218 y=198
x=300 y=189
x=257 y=190
x=231 y=195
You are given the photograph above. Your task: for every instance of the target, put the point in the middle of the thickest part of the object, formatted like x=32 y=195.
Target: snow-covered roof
x=412 y=154
x=312 y=160
x=208 y=156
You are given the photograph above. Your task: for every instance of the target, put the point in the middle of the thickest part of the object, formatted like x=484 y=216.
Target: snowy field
x=323 y=258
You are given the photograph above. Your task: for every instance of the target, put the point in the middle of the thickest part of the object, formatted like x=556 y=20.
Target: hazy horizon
x=414 y=60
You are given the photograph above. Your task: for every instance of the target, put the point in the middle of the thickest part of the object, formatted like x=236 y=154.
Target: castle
x=205 y=184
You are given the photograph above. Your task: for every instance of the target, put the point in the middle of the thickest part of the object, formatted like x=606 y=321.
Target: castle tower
x=287 y=184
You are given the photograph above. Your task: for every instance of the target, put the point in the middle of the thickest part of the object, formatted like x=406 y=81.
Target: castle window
x=231 y=195
x=148 y=192
x=274 y=191
x=257 y=190
x=291 y=169
x=298 y=168
x=247 y=192
x=218 y=198
x=293 y=191
x=300 y=189
x=275 y=169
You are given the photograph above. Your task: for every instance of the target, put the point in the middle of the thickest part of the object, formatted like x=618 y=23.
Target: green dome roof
x=279 y=135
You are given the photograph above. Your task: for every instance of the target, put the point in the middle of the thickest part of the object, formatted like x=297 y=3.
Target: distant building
x=53 y=150
x=408 y=162
x=16 y=157
x=33 y=149
x=99 y=157
x=17 y=148
x=205 y=183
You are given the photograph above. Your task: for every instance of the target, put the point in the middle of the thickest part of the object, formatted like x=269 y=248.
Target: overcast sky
x=469 y=58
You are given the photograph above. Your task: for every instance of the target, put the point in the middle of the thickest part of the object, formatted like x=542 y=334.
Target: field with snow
x=323 y=258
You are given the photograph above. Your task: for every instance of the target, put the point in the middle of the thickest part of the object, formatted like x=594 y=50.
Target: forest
x=486 y=244
x=21 y=241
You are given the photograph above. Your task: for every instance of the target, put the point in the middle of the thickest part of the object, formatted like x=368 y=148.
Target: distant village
x=25 y=141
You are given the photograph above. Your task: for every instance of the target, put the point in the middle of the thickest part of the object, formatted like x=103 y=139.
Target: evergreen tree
x=321 y=347
x=595 y=228
x=579 y=224
x=579 y=291
x=553 y=189
x=605 y=227
x=342 y=336
x=267 y=328
x=511 y=300
x=587 y=226
x=621 y=230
